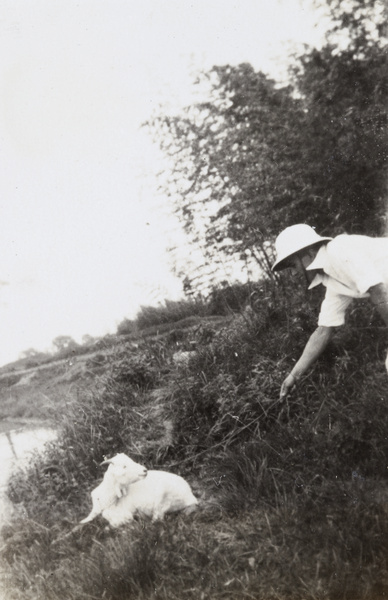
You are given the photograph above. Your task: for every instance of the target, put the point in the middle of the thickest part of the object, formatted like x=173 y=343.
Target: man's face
x=298 y=263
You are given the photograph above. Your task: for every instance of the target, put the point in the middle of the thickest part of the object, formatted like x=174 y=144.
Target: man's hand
x=316 y=344
x=287 y=385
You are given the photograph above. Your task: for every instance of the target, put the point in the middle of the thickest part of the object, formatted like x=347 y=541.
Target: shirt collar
x=317 y=265
x=319 y=260
x=319 y=278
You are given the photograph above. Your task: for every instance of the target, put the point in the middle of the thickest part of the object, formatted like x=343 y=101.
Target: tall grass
x=293 y=494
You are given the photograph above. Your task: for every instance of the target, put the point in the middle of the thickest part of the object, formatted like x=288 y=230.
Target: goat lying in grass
x=129 y=489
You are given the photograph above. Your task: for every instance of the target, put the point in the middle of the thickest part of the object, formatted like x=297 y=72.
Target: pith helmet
x=292 y=240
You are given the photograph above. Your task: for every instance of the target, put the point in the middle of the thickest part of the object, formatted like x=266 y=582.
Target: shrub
x=229 y=298
x=170 y=312
x=126 y=326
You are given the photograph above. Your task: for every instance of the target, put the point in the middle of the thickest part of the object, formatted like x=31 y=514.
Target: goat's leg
x=92 y=515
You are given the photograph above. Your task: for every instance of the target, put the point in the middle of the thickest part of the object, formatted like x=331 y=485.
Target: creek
x=16 y=448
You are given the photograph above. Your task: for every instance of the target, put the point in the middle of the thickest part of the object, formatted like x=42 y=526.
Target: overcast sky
x=82 y=233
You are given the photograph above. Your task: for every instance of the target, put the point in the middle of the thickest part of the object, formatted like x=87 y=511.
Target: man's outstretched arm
x=316 y=344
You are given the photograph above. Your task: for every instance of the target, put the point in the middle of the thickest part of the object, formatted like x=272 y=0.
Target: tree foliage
x=226 y=156
x=255 y=156
x=63 y=343
x=345 y=94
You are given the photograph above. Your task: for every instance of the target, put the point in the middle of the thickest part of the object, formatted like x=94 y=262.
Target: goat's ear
x=106 y=461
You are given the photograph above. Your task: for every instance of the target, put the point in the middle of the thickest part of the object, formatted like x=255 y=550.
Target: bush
x=170 y=312
x=126 y=327
x=226 y=299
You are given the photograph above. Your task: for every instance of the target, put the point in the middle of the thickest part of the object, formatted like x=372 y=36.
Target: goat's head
x=124 y=469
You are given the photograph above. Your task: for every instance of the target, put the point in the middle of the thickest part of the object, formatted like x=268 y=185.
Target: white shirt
x=351 y=265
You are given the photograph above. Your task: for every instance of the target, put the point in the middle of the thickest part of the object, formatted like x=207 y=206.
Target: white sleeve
x=333 y=309
x=354 y=264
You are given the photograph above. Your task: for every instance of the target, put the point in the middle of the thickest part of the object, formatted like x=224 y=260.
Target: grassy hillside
x=293 y=494
x=34 y=388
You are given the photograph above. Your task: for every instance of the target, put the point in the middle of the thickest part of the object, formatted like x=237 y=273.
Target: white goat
x=122 y=471
x=129 y=489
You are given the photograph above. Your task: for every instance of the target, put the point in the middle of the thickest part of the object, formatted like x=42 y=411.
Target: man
x=349 y=266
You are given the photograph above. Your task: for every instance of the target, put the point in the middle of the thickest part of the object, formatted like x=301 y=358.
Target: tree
x=64 y=342
x=88 y=340
x=226 y=154
x=345 y=94
x=126 y=326
x=30 y=353
x=255 y=157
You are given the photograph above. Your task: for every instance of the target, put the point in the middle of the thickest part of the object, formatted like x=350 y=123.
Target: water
x=16 y=448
